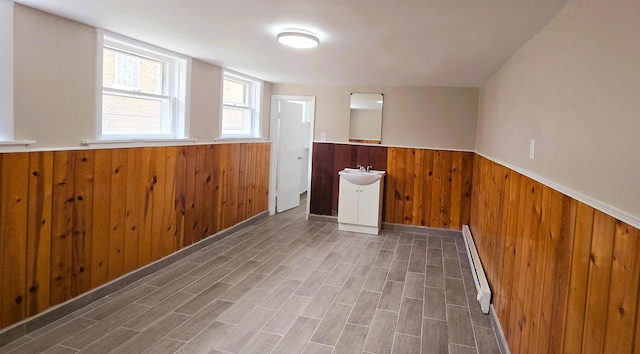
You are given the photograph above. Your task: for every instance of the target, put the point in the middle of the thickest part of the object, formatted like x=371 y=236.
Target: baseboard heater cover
x=479 y=278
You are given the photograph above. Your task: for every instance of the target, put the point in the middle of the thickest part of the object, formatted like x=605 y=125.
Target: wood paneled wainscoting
x=422 y=187
x=564 y=276
x=71 y=221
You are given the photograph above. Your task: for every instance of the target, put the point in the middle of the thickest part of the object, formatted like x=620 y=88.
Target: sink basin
x=361 y=178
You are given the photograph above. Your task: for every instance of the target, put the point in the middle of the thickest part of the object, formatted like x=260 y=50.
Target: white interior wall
x=433 y=117
x=574 y=88
x=56 y=108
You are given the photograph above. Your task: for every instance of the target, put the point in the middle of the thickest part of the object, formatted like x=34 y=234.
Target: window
x=143 y=91
x=240 y=106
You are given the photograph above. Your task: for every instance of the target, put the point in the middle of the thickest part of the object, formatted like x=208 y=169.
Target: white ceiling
x=362 y=42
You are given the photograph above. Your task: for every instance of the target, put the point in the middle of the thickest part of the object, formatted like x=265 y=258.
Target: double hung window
x=143 y=91
x=240 y=106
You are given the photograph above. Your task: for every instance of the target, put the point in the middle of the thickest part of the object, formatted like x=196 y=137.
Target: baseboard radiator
x=479 y=278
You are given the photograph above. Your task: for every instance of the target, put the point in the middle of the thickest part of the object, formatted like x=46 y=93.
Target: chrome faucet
x=362 y=168
x=369 y=168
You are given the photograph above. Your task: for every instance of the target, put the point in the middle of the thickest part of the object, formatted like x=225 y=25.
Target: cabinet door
x=348 y=202
x=368 y=204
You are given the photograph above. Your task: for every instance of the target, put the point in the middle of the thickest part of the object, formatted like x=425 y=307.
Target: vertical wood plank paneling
x=519 y=275
x=623 y=292
x=445 y=204
x=100 y=216
x=117 y=210
x=39 y=232
x=407 y=193
x=213 y=182
x=62 y=226
x=14 y=187
x=412 y=195
x=82 y=222
x=505 y=293
x=599 y=280
x=73 y=220
x=199 y=200
x=399 y=185
x=134 y=194
x=243 y=181
x=390 y=185
x=219 y=177
x=552 y=234
x=264 y=180
x=232 y=166
x=456 y=190
x=418 y=183
x=467 y=182
x=561 y=280
x=254 y=197
x=158 y=179
x=145 y=184
x=566 y=275
x=190 y=215
x=579 y=277
x=530 y=341
x=427 y=188
x=319 y=187
x=436 y=189
x=180 y=197
x=169 y=215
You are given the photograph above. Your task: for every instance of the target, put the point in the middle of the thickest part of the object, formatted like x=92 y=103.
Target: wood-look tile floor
x=286 y=285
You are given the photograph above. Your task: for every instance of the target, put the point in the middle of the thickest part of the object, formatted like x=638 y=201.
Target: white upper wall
x=574 y=88
x=55 y=84
x=429 y=117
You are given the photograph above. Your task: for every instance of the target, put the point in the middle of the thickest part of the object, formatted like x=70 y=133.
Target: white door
x=289 y=156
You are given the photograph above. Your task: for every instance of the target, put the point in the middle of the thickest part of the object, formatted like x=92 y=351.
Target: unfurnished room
x=319 y=176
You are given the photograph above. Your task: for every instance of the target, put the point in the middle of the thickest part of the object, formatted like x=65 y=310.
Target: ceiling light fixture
x=298 y=38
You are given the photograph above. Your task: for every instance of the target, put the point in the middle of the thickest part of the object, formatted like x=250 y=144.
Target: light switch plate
x=323 y=136
x=532 y=149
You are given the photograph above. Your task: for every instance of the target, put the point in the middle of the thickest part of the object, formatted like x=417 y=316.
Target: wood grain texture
x=39 y=232
x=73 y=220
x=13 y=234
x=565 y=277
x=422 y=187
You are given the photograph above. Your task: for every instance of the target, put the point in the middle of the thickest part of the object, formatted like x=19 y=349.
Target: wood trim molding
x=594 y=203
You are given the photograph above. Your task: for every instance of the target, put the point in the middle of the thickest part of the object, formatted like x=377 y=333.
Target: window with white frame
x=240 y=106
x=143 y=91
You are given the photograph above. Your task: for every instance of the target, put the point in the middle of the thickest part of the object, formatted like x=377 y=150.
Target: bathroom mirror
x=366 y=118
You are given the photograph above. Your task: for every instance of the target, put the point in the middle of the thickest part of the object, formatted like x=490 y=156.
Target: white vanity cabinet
x=360 y=206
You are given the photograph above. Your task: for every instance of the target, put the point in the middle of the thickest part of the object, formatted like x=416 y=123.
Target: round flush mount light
x=298 y=38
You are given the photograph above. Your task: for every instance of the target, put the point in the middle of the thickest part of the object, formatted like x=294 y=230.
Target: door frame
x=275 y=147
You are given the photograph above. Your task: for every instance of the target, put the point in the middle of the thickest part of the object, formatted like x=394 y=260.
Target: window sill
x=229 y=139
x=114 y=143
x=15 y=145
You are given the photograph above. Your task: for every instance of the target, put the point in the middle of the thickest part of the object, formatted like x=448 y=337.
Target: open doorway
x=292 y=122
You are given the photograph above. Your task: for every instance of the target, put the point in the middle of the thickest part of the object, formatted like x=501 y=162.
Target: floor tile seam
x=107 y=331
x=409 y=335
x=454 y=277
x=434 y=319
x=322 y=344
x=473 y=328
x=252 y=337
x=462 y=345
x=434 y=287
x=343 y=326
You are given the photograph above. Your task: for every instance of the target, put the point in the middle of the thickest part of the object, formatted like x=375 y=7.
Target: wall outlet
x=323 y=136
x=532 y=149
